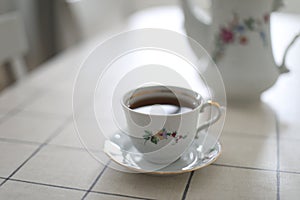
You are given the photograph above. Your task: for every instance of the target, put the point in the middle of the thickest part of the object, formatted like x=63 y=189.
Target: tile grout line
x=17 y=141
x=15 y=110
x=44 y=114
x=278 y=156
x=2 y=179
x=95 y=181
x=120 y=195
x=186 y=189
x=242 y=167
x=56 y=132
x=245 y=134
x=18 y=168
x=253 y=168
x=9 y=114
x=113 y=194
x=73 y=188
x=90 y=190
x=74 y=148
x=288 y=172
x=255 y=136
x=46 y=184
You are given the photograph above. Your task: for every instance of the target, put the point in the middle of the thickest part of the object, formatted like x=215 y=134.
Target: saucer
x=121 y=150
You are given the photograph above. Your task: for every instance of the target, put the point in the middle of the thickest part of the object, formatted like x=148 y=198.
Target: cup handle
x=214 y=119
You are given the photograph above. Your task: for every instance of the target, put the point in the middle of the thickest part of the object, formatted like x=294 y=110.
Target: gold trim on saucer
x=213 y=103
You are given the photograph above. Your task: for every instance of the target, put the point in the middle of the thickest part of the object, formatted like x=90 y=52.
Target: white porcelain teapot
x=237 y=36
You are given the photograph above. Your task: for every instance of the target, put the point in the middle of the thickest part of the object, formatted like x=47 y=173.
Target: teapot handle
x=277 y=4
x=197 y=23
x=282 y=68
x=196 y=13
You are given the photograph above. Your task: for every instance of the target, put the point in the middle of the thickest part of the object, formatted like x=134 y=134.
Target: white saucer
x=120 y=149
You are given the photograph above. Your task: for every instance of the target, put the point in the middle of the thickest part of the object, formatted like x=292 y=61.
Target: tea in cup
x=163 y=121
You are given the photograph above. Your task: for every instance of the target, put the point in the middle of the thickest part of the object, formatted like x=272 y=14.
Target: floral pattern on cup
x=235 y=32
x=162 y=135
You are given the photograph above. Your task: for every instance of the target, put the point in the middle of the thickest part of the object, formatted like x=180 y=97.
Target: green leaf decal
x=249 y=23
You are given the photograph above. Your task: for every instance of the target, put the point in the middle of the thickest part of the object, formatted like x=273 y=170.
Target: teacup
x=163 y=121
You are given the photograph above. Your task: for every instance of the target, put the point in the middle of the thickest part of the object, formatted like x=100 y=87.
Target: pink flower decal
x=235 y=32
x=227 y=36
x=162 y=135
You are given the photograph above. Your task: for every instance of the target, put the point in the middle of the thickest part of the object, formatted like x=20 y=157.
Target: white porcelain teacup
x=164 y=120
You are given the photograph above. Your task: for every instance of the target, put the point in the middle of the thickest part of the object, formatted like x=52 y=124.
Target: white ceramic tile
x=54 y=102
x=13 y=155
x=91 y=138
x=53 y=73
x=30 y=127
x=167 y=187
x=248 y=151
x=53 y=79
x=65 y=85
x=44 y=78
x=255 y=119
x=88 y=133
x=290 y=155
x=289 y=186
x=3 y=113
x=96 y=196
x=61 y=166
x=16 y=95
x=285 y=101
x=289 y=125
x=20 y=190
x=68 y=137
x=216 y=182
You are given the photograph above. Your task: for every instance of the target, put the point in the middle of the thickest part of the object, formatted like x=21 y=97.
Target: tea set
x=165 y=139
x=168 y=128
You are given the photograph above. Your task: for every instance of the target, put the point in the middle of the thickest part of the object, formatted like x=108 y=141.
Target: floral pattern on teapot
x=236 y=32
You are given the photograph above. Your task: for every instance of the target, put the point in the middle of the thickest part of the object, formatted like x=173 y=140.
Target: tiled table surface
x=42 y=158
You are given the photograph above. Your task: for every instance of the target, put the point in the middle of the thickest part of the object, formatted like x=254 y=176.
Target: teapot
x=236 y=33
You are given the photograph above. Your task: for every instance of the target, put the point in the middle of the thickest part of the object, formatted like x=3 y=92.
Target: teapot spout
x=196 y=25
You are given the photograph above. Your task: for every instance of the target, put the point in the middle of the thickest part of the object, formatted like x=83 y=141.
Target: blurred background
x=34 y=31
